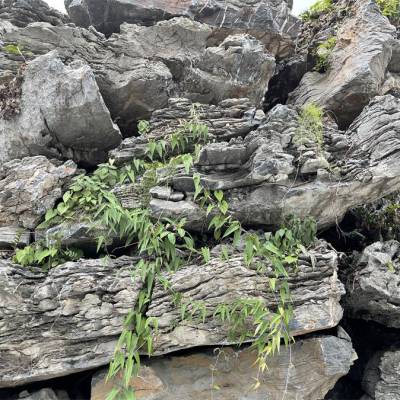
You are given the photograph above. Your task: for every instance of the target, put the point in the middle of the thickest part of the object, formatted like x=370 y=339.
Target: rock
x=267 y=20
x=381 y=379
x=230 y=118
x=166 y=193
x=73 y=315
x=30 y=187
x=313 y=365
x=171 y=58
x=62 y=115
x=11 y=236
x=358 y=65
x=264 y=178
x=44 y=394
x=373 y=285
x=23 y=12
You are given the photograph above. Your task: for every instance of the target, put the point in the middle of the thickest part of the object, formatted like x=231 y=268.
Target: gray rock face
x=313 y=366
x=23 y=12
x=171 y=58
x=79 y=309
x=270 y=174
x=373 y=287
x=357 y=65
x=44 y=394
x=381 y=379
x=268 y=20
x=29 y=187
x=62 y=114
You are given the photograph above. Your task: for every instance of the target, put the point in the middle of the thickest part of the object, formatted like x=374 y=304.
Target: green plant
x=390 y=8
x=310 y=127
x=318 y=8
x=323 y=53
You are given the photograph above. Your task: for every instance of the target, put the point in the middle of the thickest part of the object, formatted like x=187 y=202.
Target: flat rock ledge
x=69 y=319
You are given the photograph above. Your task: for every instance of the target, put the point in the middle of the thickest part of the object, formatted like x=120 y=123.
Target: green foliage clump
x=390 y=8
x=318 y=8
x=323 y=53
x=310 y=127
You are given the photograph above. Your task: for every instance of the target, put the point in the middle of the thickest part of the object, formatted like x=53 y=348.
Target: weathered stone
x=44 y=394
x=29 y=187
x=305 y=372
x=62 y=115
x=381 y=378
x=373 y=285
x=315 y=291
x=23 y=12
x=166 y=193
x=164 y=60
x=262 y=174
x=73 y=315
x=269 y=21
x=231 y=118
x=12 y=236
x=358 y=65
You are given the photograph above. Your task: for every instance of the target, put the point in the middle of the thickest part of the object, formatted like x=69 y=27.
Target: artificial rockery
x=199 y=200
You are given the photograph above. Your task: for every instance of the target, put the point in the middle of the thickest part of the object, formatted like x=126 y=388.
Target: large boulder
x=62 y=115
x=73 y=315
x=274 y=171
x=29 y=188
x=23 y=12
x=358 y=64
x=305 y=372
x=267 y=20
x=373 y=286
x=138 y=69
x=381 y=379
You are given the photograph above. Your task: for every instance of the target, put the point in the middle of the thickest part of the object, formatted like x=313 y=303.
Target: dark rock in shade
x=357 y=68
x=263 y=186
x=62 y=115
x=72 y=315
x=381 y=379
x=373 y=286
x=267 y=20
x=314 y=365
x=139 y=69
x=23 y=12
x=29 y=188
x=44 y=394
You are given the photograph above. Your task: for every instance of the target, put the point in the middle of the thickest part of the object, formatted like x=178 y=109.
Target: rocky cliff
x=199 y=200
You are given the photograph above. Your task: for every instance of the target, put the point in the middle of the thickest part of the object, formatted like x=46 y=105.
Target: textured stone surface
x=307 y=372
x=171 y=58
x=381 y=379
x=72 y=316
x=62 y=115
x=373 y=286
x=269 y=174
x=316 y=293
x=357 y=65
x=29 y=187
x=23 y=12
x=268 y=20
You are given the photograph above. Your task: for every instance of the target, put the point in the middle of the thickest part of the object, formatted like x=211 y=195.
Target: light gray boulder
x=373 y=286
x=305 y=372
x=270 y=174
x=62 y=114
x=267 y=20
x=140 y=68
x=358 y=65
x=29 y=188
x=72 y=315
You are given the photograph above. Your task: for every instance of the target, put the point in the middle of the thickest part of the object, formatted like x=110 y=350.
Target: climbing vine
x=164 y=245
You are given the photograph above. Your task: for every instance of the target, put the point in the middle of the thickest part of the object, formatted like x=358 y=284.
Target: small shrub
x=323 y=53
x=390 y=8
x=311 y=128
x=318 y=8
